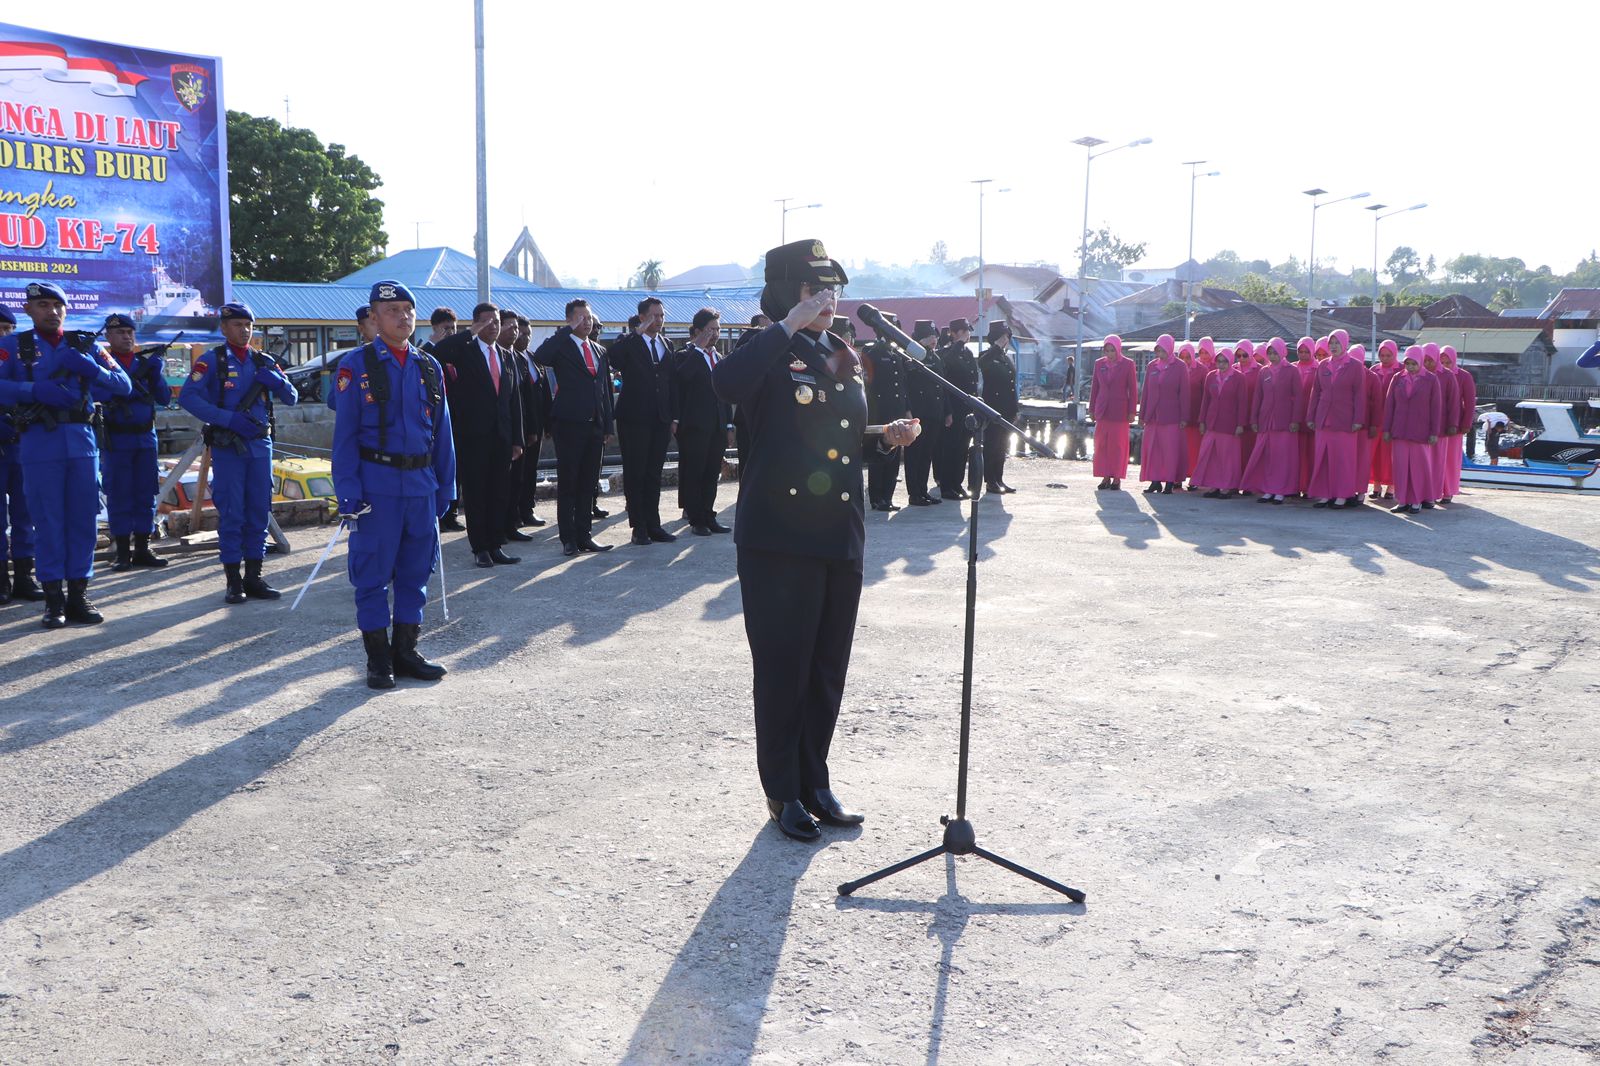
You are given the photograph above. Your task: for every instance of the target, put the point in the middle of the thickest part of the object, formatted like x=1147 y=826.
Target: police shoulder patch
x=345 y=374
x=198 y=372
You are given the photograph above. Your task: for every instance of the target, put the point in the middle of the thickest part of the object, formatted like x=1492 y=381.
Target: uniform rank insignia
x=798 y=364
x=199 y=372
x=802 y=395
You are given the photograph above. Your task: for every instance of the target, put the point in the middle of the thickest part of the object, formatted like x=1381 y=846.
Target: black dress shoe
x=879 y=505
x=535 y=521
x=661 y=536
x=825 y=807
x=718 y=527
x=641 y=539
x=919 y=501
x=568 y=548
x=590 y=546
x=517 y=535
x=793 y=820
x=890 y=507
x=482 y=559
x=451 y=524
x=501 y=558
x=599 y=512
x=931 y=500
x=701 y=531
x=1006 y=488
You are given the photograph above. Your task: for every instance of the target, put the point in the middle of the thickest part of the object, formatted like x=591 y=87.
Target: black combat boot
x=55 y=605
x=25 y=587
x=79 y=609
x=235 y=584
x=380 y=662
x=254 y=586
x=407 y=662
x=124 y=560
x=142 y=555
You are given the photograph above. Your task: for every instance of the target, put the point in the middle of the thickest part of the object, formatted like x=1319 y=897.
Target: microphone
x=888 y=330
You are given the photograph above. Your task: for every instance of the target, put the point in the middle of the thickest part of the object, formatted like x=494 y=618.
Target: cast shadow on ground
x=950 y=914
x=122 y=826
x=710 y=1005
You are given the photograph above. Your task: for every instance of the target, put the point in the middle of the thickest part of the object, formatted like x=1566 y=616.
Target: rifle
x=227 y=438
x=29 y=413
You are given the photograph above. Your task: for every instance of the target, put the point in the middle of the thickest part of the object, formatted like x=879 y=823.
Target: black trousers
x=578 y=447
x=525 y=479
x=996 y=439
x=950 y=466
x=883 y=474
x=483 y=477
x=800 y=618
x=644 y=453
x=921 y=454
x=700 y=471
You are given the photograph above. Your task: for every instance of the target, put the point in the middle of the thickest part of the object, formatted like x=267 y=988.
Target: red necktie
x=588 y=359
x=494 y=368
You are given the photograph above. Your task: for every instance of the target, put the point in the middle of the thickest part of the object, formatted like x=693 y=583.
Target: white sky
x=693 y=117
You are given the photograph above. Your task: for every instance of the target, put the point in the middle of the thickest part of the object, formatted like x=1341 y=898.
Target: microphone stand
x=960 y=838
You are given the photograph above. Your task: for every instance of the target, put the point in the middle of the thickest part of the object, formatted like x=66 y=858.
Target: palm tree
x=648 y=276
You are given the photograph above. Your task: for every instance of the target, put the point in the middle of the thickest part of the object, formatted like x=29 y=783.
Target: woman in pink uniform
x=1411 y=414
x=1466 y=413
x=1113 y=397
x=1222 y=422
x=1161 y=412
x=1305 y=365
x=1200 y=363
x=1244 y=364
x=1274 y=467
x=1338 y=407
x=1383 y=452
x=1449 y=406
x=1371 y=415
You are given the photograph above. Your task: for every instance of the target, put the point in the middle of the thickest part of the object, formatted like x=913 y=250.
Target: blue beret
x=236 y=310
x=45 y=290
x=362 y=312
x=119 y=321
x=388 y=291
x=7 y=317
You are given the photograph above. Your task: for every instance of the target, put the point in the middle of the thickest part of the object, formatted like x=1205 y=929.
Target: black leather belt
x=124 y=427
x=397 y=462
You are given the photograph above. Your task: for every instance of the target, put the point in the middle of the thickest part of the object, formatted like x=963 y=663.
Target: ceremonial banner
x=113 y=180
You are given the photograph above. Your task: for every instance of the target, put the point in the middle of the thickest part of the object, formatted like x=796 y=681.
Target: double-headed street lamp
x=1090 y=155
x=983 y=307
x=1188 y=288
x=783 y=228
x=1311 y=270
x=1376 y=218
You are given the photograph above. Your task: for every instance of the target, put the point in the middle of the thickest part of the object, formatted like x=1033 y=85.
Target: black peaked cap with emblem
x=804 y=261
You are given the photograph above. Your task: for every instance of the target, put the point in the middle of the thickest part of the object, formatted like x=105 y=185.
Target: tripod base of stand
x=961 y=839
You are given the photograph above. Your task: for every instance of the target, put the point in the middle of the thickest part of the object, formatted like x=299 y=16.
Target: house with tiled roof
x=1147 y=306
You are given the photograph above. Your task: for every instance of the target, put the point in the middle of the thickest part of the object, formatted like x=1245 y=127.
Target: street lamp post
x=1376 y=218
x=1188 y=288
x=1089 y=156
x=1311 y=269
x=783 y=224
x=983 y=310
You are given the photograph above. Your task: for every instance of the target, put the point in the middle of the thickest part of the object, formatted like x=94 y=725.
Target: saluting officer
x=886 y=401
x=926 y=401
x=231 y=390
x=394 y=471
x=999 y=392
x=16 y=525
x=128 y=464
x=800 y=527
x=54 y=376
x=960 y=368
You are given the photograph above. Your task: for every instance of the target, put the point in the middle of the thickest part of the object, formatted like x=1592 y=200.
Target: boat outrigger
x=1560 y=456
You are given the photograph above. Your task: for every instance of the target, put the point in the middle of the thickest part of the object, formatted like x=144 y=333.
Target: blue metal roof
x=337 y=302
x=433 y=267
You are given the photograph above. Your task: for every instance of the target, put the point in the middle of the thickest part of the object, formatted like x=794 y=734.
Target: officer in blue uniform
x=394 y=471
x=54 y=376
x=368 y=331
x=231 y=390
x=16 y=526
x=128 y=462
x=800 y=527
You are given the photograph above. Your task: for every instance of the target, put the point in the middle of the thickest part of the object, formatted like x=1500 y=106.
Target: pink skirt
x=1308 y=457
x=1274 y=467
x=1413 y=471
x=1364 y=449
x=1247 y=448
x=1452 y=458
x=1111 y=449
x=1334 y=473
x=1162 y=456
x=1382 y=461
x=1191 y=448
x=1219 y=464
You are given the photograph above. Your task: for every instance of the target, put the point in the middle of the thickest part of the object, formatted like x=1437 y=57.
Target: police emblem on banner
x=191 y=85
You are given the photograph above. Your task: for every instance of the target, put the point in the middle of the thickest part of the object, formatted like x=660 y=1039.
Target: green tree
x=1403 y=265
x=299 y=210
x=940 y=255
x=1259 y=290
x=648 y=276
x=1107 y=254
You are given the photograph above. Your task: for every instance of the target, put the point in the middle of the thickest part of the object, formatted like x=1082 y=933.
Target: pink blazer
x=1166 y=390
x=1223 y=409
x=1113 y=394
x=1339 y=395
x=1277 y=403
x=1411 y=410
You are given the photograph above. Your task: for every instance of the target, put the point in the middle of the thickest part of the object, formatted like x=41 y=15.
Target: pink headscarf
x=1430 y=354
x=1357 y=352
x=1276 y=345
x=1113 y=342
x=1447 y=356
x=1186 y=353
x=1207 y=346
x=1164 y=344
x=1343 y=337
x=1244 y=349
x=1322 y=349
x=1414 y=354
x=1224 y=360
x=1389 y=348
x=1305 y=350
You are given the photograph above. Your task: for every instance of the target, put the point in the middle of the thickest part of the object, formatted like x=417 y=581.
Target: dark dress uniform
x=926 y=399
x=394 y=454
x=999 y=392
x=886 y=401
x=703 y=424
x=960 y=368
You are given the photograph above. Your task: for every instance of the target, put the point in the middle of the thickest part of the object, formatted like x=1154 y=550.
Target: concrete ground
x=1329 y=781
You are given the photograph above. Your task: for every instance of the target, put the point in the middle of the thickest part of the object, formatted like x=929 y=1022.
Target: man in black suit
x=581 y=421
x=535 y=417
x=443 y=324
x=704 y=425
x=486 y=420
x=526 y=399
x=647 y=415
